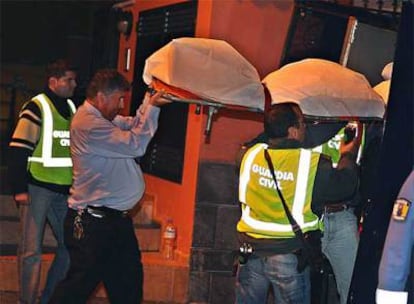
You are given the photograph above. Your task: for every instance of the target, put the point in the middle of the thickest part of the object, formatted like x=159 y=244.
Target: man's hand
x=157 y=99
x=22 y=199
x=353 y=146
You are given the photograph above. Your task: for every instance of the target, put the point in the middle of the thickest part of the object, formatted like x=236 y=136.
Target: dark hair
x=58 y=68
x=279 y=118
x=107 y=81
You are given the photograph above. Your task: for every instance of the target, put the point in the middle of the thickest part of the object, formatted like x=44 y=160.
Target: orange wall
x=178 y=200
x=257 y=29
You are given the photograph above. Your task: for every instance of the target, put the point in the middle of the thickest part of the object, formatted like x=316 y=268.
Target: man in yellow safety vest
x=40 y=173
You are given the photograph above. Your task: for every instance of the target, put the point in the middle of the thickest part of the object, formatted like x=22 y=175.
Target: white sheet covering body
x=324 y=88
x=383 y=89
x=209 y=68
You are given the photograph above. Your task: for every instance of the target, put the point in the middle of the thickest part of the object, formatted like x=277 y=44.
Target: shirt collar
x=287 y=144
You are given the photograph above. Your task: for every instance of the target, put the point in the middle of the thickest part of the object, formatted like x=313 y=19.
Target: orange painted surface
x=257 y=29
x=158 y=85
x=178 y=200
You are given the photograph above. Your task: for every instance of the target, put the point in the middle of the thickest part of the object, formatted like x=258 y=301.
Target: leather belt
x=332 y=208
x=101 y=212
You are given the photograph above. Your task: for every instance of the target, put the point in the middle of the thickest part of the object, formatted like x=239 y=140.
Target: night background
x=35 y=32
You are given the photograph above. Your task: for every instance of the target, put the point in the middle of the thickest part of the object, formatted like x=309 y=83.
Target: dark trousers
x=108 y=253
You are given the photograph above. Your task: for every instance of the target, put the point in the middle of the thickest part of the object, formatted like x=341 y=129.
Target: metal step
x=10 y=232
x=10 y=229
x=8 y=206
x=148 y=233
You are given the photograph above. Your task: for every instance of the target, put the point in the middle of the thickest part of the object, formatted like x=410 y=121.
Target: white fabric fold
x=209 y=68
x=324 y=88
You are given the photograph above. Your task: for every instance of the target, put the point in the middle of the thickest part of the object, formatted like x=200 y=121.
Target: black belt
x=101 y=212
x=332 y=208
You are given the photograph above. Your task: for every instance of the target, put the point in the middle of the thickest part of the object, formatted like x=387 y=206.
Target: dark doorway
x=155 y=28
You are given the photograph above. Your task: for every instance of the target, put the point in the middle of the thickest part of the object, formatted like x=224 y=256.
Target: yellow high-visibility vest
x=263 y=215
x=51 y=161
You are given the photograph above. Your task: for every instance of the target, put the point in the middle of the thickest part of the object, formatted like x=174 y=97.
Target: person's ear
x=293 y=133
x=52 y=82
x=100 y=96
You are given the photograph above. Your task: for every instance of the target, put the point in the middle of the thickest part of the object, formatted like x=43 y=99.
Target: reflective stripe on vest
x=332 y=147
x=266 y=226
x=299 y=196
x=47 y=160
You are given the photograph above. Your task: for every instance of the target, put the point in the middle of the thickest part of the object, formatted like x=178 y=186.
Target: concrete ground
x=10 y=297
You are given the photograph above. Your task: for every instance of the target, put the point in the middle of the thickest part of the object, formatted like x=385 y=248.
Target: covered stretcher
x=328 y=94
x=211 y=72
x=210 y=69
x=205 y=72
x=325 y=90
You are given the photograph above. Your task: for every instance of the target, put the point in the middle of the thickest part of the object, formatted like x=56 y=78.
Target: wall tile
x=217 y=182
x=226 y=234
x=204 y=225
x=162 y=291
x=203 y=259
x=223 y=286
x=199 y=287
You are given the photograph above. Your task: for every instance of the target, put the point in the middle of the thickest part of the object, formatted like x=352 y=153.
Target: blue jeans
x=340 y=244
x=279 y=271
x=44 y=204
